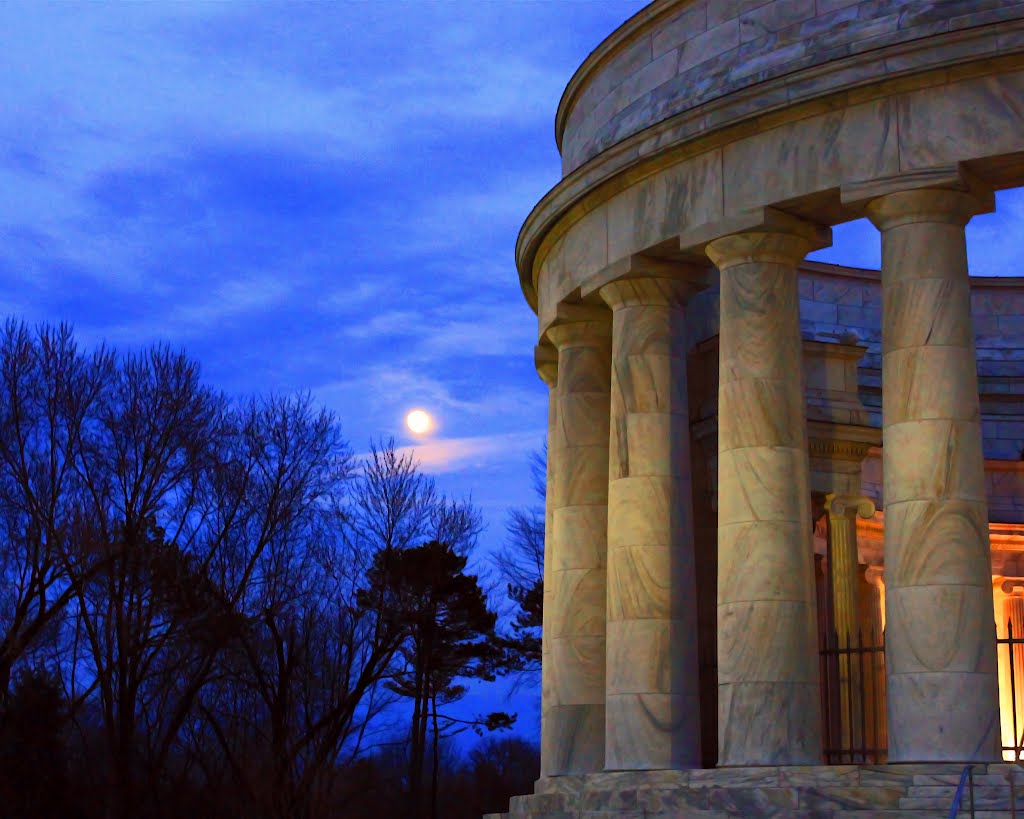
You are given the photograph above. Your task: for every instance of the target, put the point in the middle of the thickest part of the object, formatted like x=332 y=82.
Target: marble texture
x=573 y=696
x=769 y=701
x=702 y=53
x=940 y=655
x=810 y=155
x=546 y=361
x=986 y=120
x=688 y=193
x=653 y=706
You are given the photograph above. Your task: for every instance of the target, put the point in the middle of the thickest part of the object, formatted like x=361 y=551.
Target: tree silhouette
x=450 y=635
x=520 y=565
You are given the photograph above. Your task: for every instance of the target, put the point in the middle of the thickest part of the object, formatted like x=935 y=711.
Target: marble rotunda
x=722 y=411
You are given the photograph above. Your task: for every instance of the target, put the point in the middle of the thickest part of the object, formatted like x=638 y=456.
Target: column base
x=808 y=791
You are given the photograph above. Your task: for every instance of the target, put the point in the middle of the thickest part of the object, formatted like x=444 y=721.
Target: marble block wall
x=708 y=49
x=844 y=305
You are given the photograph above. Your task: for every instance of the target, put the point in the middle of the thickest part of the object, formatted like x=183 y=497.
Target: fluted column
x=769 y=700
x=573 y=733
x=1013 y=617
x=940 y=649
x=843 y=511
x=653 y=706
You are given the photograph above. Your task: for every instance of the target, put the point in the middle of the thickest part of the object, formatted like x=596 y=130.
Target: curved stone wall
x=675 y=57
x=812 y=162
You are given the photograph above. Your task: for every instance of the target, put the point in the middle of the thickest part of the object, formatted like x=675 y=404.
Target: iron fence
x=853 y=698
x=1015 y=657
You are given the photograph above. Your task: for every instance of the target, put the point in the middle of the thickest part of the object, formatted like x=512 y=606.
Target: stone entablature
x=675 y=58
x=808 y=160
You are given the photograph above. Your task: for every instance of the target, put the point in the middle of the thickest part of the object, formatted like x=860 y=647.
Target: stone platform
x=914 y=791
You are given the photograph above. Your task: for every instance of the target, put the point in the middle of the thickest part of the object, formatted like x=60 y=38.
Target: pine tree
x=450 y=636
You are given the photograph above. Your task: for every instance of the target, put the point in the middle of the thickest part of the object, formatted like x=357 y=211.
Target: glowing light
x=419 y=422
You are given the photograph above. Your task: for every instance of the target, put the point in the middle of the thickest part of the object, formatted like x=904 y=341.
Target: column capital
x=545 y=359
x=761 y=247
x=755 y=235
x=849 y=506
x=935 y=205
x=859 y=196
x=578 y=325
x=681 y=279
x=662 y=292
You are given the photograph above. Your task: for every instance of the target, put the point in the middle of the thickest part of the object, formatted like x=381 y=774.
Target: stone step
x=997 y=779
x=982 y=793
x=538 y=803
x=811 y=792
x=893 y=814
x=935 y=803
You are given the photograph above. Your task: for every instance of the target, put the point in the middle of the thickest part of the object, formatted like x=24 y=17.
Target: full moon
x=418 y=421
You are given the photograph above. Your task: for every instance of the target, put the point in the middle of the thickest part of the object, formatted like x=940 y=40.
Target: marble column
x=573 y=734
x=546 y=360
x=769 y=698
x=843 y=511
x=653 y=703
x=940 y=641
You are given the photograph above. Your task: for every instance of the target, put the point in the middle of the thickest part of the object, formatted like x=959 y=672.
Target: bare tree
x=48 y=393
x=520 y=566
x=193 y=577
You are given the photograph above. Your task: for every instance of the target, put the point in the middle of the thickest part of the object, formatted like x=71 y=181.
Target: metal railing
x=1015 y=646
x=853 y=698
x=966 y=776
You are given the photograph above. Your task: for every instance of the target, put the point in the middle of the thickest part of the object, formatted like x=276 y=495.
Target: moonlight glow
x=418 y=421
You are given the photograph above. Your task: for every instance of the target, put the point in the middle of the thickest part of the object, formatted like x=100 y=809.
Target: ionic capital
x=849 y=506
x=934 y=205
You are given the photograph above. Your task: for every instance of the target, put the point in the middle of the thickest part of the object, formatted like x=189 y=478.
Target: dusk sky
x=319 y=197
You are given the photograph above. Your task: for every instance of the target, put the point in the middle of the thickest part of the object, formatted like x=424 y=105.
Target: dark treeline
x=210 y=607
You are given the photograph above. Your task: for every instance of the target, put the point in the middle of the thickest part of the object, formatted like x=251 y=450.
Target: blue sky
x=318 y=197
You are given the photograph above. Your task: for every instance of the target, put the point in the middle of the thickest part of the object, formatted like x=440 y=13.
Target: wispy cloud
x=447 y=455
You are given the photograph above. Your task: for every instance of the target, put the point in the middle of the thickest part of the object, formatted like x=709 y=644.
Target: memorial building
x=784 y=567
